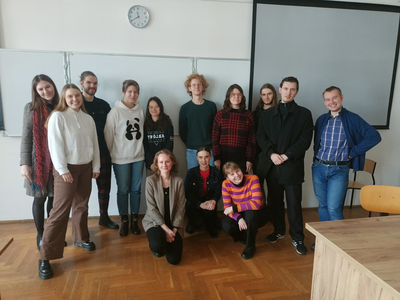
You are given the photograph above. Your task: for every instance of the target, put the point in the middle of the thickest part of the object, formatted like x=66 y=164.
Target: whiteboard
x=163 y=77
x=221 y=74
x=17 y=69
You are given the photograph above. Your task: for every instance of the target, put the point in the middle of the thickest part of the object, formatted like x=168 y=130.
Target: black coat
x=291 y=137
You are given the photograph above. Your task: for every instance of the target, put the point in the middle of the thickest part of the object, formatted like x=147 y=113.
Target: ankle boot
x=134 y=224
x=39 y=241
x=124 y=226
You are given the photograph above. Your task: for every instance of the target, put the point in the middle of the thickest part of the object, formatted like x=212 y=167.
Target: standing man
x=99 y=109
x=341 y=140
x=284 y=135
x=196 y=119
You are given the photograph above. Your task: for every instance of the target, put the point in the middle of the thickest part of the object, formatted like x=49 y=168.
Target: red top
x=204 y=175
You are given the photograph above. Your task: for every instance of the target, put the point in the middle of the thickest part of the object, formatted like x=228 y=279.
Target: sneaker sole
x=301 y=253
x=279 y=238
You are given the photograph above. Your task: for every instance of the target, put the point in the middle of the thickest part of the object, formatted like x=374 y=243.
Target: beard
x=89 y=91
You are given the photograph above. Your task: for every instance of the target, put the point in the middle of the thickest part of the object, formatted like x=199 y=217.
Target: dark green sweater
x=196 y=122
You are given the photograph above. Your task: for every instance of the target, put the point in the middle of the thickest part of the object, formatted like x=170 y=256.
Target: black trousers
x=254 y=219
x=158 y=243
x=198 y=217
x=293 y=203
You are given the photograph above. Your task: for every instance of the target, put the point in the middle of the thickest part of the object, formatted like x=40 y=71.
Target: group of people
x=69 y=139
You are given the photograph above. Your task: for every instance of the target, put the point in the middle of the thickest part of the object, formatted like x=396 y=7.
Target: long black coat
x=291 y=137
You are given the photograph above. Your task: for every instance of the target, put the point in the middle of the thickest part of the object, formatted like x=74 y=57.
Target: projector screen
x=352 y=46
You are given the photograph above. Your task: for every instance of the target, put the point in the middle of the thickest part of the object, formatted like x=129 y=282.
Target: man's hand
x=277 y=159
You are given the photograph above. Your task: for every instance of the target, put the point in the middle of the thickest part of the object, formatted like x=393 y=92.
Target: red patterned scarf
x=44 y=165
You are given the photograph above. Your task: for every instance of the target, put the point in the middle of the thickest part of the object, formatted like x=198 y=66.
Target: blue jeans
x=330 y=186
x=191 y=157
x=129 y=179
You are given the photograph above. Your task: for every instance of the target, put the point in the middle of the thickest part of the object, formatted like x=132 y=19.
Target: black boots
x=107 y=222
x=39 y=241
x=134 y=224
x=124 y=226
x=45 y=270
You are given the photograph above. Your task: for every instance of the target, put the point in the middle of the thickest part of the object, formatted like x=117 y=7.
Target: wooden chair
x=369 y=167
x=381 y=198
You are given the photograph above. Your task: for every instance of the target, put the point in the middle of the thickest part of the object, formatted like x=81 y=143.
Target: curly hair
x=227 y=103
x=274 y=99
x=174 y=169
x=196 y=76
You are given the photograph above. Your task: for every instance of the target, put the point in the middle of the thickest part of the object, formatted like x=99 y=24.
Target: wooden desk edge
x=367 y=271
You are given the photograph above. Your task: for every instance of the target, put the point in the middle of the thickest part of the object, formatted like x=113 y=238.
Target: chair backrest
x=381 y=198
x=369 y=166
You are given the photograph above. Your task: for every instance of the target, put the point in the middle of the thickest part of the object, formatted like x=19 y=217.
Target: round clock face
x=138 y=16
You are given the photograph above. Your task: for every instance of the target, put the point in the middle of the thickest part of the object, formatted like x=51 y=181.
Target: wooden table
x=356 y=259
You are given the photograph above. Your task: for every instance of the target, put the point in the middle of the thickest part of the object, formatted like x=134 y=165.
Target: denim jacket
x=194 y=186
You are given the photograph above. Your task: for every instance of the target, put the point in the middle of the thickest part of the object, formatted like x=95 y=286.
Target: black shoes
x=248 y=252
x=124 y=226
x=189 y=228
x=87 y=246
x=273 y=237
x=134 y=224
x=107 y=222
x=39 y=241
x=300 y=248
x=45 y=270
x=157 y=254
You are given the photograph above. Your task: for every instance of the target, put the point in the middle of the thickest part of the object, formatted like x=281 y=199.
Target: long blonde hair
x=62 y=105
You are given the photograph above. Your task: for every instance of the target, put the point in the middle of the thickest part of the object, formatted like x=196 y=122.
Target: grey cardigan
x=155 y=203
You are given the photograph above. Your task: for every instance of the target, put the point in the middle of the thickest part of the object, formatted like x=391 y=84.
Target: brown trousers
x=75 y=194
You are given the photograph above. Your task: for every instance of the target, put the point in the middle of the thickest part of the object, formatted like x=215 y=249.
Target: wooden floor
x=124 y=268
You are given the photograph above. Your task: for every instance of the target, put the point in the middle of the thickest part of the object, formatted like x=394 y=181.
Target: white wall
x=178 y=28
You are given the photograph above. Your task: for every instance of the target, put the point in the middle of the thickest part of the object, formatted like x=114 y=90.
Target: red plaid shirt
x=234 y=129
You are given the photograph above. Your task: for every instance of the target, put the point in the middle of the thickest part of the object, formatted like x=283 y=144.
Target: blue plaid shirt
x=333 y=146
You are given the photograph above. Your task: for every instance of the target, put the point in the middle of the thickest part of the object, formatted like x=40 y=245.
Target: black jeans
x=293 y=203
x=158 y=243
x=254 y=219
x=198 y=216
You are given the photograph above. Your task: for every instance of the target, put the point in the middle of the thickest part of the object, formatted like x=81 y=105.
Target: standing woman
x=203 y=190
x=158 y=131
x=36 y=166
x=124 y=137
x=165 y=198
x=74 y=150
x=233 y=136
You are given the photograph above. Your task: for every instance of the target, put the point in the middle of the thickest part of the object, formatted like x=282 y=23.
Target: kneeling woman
x=75 y=153
x=165 y=198
x=244 y=207
x=203 y=190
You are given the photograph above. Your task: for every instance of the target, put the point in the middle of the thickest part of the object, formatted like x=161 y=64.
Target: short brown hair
x=332 y=88
x=229 y=166
x=199 y=77
x=128 y=83
x=174 y=169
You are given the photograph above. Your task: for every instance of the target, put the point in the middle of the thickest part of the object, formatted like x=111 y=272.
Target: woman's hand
x=217 y=164
x=228 y=210
x=67 y=177
x=26 y=172
x=95 y=175
x=249 y=166
x=169 y=234
x=242 y=224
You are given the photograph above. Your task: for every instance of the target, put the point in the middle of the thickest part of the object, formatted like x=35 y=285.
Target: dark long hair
x=274 y=100
x=163 y=119
x=37 y=101
x=227 y=103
